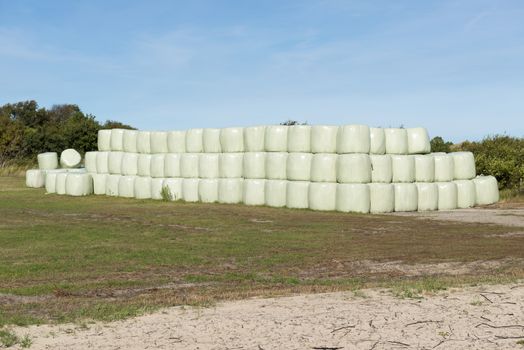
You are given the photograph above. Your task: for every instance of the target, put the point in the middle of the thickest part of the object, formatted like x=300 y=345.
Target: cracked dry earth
x=484 y=317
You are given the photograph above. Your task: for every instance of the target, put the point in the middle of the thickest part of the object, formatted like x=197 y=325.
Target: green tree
x=439 y=145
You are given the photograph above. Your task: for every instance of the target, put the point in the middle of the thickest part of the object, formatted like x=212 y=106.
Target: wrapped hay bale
x=112 y=182
x=403 y=168
x=466 y=194
x=114 y=162
x=254 y=192
x=130 y=164
x=102 y=162
x=48 y=160
x=324 y=167
x=230 y=165
x=76 y=170
x=418 y=141
x=297 y=194
x=90 y=161
x=144 y=165
x=298 y=167
x=157 y=184
x=189 y=165
x=275 y=193
x=322 y=195
x=190 y=189
x=230 y=190
x=130 y=140
x=104 y=140
x=208 y=190
x=486 y=190
x=424 y=168
x=444 y=167
x=157 y=165
x=254 y=139
x=99 y=183
x=172 y=165
x=324 y=139
x=381 y=168
x=70 y=158
x=232 y=140
x=427 y=196
x=126 y=186
x=50 y=180
x=353 y=198
x=143 y=142
x=382 y=198
x=117 y=140
x=173 y=187
x=354 y=168
x=276 y=166
x=377 y=141
x=158 y=142
x=353 y=139
x=254 y=165
x=35 y=178
x=176 y=141
x=406 y=197
x=143 y=187
x=396 y=140
x=79 y=184
x=275 y=138
x=60 y=185
x=463 y=165
x=208 y=165
x=194 y=141
x=299 y=138
x=447 y=196
x=211 y=140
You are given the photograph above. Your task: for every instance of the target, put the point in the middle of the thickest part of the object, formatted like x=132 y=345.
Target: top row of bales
x=274 y=138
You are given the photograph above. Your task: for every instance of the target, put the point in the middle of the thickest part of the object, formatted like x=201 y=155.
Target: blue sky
x=455 y=67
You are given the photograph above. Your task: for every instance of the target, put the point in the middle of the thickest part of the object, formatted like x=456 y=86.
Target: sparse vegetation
x=166 y=194
x=9 y=339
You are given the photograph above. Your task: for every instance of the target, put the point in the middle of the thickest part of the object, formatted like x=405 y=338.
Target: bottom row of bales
x=360 y=198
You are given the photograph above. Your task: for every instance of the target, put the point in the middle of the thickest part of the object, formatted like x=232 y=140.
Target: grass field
x=70 y=259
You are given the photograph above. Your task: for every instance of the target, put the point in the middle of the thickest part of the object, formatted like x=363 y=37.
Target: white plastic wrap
x=299 y=138
x=144 y=165
x=112 y=182
x=377 y=141
x=130 y=141
x=159 y=142
x=208 y=190
x=353 y=198
x=194 y=141
x=232 y=140
x=324 y=139
x=466 y=194
x=75 y=170
x=60 y=185
x=275 y=193
x=190 y=189
x=230 y=190
x=211 y=140
x=396 y=140
x=424 y=168
x=157 y=165
x=463 y=165
x=353 y=139
x=176 y=141
x=79 y=184
x=174 y=188
x=99 y=183
x=447 y=196
x=254 y=192
x=90 y=161
x=297 y=194
x=299 y=166
x=143 y=142
x=104 y=140
x=254 y=165
x=403 y=168
x=486 y=190
x=35 y=178
x=382 y=198
x=102 y=162
x=324 y=167
x=143 y=187
x=230 y=165
x=172 y=165
x=322 y=196
x=156 y=188
x=189 y=165
x=126 y=186
x=117 y=140
x=406 y=197
x=354 y=168
x=70 y=158
x=48 y=160
x=114 y=163
x=276 y=166
x=418 y=141
x=275 y=138
x=444 y=167
x=254 y=138
x=427 y=196
x=381 y=168
x=50 y=180
x=208 y=165
x=129 y=164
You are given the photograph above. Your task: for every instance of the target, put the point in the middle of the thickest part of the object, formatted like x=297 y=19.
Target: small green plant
x=476 y=303
x=520 y=342
x=359 y=294
x=166 y=194
x=8 y=338
x=26 y=342
x=443 y=334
